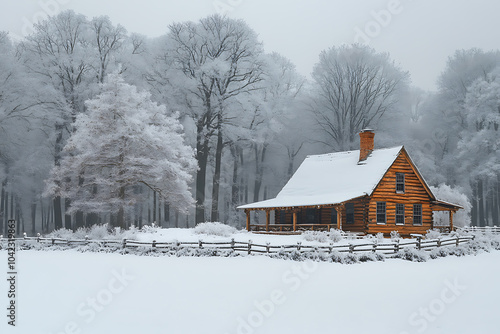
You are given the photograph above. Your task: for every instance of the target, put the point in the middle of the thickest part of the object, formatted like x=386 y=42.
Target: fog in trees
x=72 y=156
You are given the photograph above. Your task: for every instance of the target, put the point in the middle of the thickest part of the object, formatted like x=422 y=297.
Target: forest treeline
x=248 y=119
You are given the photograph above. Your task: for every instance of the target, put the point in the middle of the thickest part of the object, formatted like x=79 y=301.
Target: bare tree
x=355 y=86
x=108 y=39
x=211 y=62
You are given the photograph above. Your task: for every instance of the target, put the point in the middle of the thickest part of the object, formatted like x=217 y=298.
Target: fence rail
x=480 y=229
x=251 y=248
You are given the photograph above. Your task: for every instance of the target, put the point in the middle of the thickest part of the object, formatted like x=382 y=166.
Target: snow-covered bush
x=61 y=233
x=395 y=235
x=217 y=229
x=439 y=252
x=150 y=229
x=433 y=234
x=95 y=232
x=453 y=195
x=318 y=236
x=380 y=236
x=335 y=235
x=412 y=254
x=98 y=232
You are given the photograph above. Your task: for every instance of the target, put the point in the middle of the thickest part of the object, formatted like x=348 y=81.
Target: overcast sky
x=419 y=34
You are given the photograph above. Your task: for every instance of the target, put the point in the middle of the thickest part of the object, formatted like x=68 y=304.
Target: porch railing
x=289 y=227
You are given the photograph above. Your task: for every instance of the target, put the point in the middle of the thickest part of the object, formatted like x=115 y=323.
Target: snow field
x=71 y=292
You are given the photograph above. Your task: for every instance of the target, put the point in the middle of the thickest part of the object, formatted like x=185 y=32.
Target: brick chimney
x=365 y=143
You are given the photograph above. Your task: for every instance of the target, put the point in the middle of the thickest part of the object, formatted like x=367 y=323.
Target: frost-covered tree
x=354 y=87
x=479 y=147
x=123 y=140
x=453 y=195
x=72 y=55
x=26 y=120
x=205 y=65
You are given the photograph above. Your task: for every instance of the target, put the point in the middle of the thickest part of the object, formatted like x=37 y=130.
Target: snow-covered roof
x=332 y=178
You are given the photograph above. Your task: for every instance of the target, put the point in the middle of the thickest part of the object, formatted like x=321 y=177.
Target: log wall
x=415 y=193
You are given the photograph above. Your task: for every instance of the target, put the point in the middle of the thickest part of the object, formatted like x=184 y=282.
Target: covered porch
x=442 y=206
x=295 y=219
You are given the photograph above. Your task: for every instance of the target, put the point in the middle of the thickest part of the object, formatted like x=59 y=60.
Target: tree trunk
x=120 y=218
x=154 y=207
x=166 y=213
x=480 y=192
x=474 y=210
x=6 y=209
x=2 y=209
x=67 y=217
x=11 y=213
x=259 y=171
x=489 y=206
x=33 y=218
x=42 y=214
x=91 y=219
x=50 y=218
x=216 y=179
x=159 y=214
x=202 y=158
x=235 y=189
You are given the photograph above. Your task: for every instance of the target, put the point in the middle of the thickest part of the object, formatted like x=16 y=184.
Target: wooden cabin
x=365 y=191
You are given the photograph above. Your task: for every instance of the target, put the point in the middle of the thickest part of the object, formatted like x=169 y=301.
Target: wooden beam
x=267 y=220
x=339 y=218
x=295 y=221
x=248 y=219
x=451 y=221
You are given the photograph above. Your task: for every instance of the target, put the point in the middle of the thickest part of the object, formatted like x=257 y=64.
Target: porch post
x=451 y=220
x=267 y=220
x=295 y=221
x=339 y=218
x=248 y=219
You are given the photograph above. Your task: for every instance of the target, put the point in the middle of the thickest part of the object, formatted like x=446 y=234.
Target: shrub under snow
x=320 y=236
x=217 y=229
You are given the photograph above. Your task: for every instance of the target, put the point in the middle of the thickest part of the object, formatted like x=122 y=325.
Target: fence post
x=439 y=242
x=331 y=247
x=25 y=236
x=458 y=240
x=396 y=247
x=249 y=247
x=53 y=241
x=200 y=243
x=351 y=248
x=419 y=242
x=124 y=243
x=267 y=247
x=374 y=247
x=153 y=244
x=298 y=245
x=38 y=237
x=232 y=243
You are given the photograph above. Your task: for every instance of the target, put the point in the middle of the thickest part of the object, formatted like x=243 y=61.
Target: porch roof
x=332 y=179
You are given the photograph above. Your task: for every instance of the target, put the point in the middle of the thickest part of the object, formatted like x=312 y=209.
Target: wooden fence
x=252 y=248
x=477 y=229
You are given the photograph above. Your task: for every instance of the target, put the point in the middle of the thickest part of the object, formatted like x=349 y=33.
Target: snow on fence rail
x=251 y=248
x=483 y=229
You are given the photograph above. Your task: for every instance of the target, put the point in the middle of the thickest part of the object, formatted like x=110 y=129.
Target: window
x=381 y=213
x=400 y=214
x=282 y=217
x=334 y=216
x=417 y=214
x=400 y=182
x=311 y=216
x=349 y=211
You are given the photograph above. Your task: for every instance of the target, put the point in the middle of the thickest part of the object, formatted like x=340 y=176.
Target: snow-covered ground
x=73 y=292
